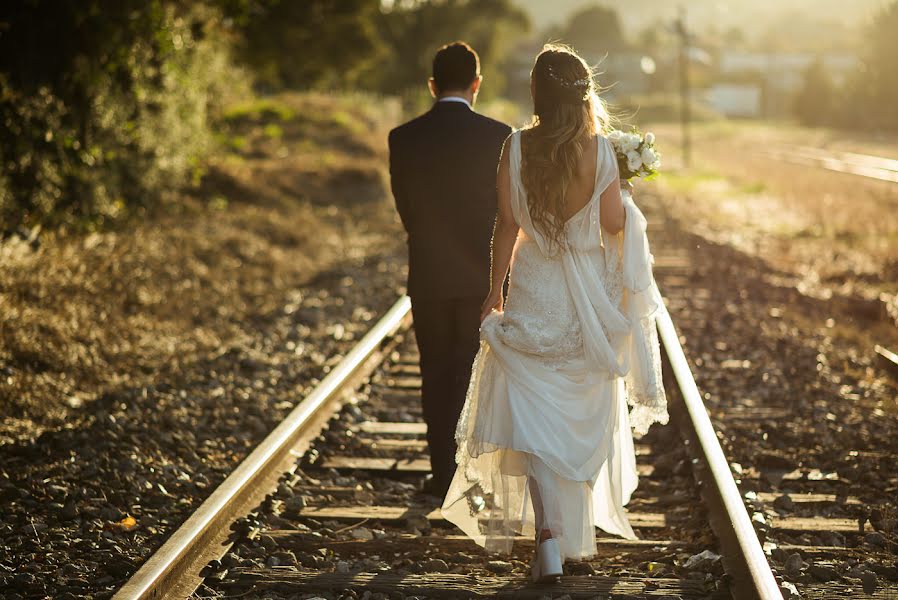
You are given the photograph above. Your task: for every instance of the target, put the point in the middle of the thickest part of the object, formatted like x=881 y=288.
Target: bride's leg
x=539 y=514
x=547 y=558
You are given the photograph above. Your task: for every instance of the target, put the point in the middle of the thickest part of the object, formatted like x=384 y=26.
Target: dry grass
x=837 y=232
x=84 y=315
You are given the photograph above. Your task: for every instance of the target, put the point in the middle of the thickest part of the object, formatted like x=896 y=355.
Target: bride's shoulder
x=604 y=141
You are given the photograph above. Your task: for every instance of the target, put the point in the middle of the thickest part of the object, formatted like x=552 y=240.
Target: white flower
x=630 y=142
x=650 y=138
x=615 y=135
x=634 y=160
x=648 y=156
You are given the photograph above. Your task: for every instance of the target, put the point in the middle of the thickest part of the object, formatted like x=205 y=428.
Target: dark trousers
x=448 y=335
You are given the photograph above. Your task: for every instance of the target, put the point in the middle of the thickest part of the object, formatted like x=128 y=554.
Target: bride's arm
x=611 y=210
x=505 y=232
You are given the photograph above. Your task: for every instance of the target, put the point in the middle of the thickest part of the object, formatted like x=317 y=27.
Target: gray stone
x=784 y=502
x=869 y=579
x=285 y=558
x=498 y=566
x=823 y=573
x=230 y=560
x=417 y=523
x=361 y=533
x=703 y=561
x=793 y=564
x=437 y=565
x=309 y=560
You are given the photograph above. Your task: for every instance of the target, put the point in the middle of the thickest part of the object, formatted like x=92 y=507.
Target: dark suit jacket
x=443 y=175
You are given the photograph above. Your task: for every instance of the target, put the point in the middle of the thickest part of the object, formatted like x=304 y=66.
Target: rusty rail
x=744 y=557
x=172 y=571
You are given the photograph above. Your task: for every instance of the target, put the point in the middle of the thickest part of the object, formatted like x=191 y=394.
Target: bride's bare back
x=581 y=188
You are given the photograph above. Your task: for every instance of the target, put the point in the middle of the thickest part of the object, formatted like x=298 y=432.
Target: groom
x=443 y=175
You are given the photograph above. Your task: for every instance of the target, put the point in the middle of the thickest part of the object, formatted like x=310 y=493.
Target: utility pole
x=683 y=34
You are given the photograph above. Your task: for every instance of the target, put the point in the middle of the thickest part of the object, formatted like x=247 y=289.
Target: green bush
x=106 y=106
x=113 y=112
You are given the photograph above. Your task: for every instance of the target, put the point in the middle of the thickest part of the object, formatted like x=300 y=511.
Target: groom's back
x=443 y=175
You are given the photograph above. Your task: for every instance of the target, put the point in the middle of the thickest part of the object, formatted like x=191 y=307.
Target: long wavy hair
x=567 y=112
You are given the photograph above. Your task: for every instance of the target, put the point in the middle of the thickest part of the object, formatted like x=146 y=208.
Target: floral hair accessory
x=578 y=84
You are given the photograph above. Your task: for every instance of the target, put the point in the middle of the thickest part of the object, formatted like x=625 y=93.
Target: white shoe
x=546 y=565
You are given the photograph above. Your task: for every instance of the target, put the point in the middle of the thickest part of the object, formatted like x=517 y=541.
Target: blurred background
x=776 y=120
x=196 y=224
x=138 y=135
x=108 y=105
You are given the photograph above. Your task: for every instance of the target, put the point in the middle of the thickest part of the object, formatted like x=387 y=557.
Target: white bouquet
x=636 y=154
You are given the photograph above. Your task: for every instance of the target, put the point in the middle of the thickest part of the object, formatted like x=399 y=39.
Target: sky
x=638 y=13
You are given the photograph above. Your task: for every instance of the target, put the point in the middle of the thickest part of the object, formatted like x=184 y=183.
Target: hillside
x=296 y=191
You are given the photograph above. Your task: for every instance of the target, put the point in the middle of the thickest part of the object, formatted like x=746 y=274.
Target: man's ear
x=432 y=86
x=475 y=85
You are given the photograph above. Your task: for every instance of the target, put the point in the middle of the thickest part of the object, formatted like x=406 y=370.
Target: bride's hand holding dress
x=505 y=233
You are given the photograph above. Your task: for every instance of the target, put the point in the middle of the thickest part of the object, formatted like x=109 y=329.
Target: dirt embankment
x=299 y=189
x=139 y=365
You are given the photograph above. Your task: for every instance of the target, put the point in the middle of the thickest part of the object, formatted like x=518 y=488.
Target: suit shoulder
x=498 y=127
x=407 y=128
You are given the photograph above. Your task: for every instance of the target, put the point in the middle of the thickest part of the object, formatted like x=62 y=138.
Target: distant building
x=777 y=77
x=741 y=100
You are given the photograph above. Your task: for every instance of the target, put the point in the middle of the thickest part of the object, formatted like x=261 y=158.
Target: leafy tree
x=312 y=43
x=106 y=105
x=815 y=101
x=594 y=31
x=413 y=30
x=103 y=104
x=876 y=84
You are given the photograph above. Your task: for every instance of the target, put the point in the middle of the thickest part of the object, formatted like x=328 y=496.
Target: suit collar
x=464 y=101
x=451 y=106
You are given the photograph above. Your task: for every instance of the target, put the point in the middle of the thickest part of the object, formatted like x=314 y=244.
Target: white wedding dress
x=551 y=384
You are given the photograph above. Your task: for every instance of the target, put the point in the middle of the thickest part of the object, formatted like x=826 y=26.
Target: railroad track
x=328 y=504
x=337 y=510
x=864 y=165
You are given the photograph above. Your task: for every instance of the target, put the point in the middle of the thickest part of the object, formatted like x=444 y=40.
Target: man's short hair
x=455 y=67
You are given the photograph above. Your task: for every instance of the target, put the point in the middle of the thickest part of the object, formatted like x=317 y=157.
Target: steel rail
x=161 y=575
x=889 y=358
x=166 y=572
x=864 y=160
x=743 y=555
x=832 y=163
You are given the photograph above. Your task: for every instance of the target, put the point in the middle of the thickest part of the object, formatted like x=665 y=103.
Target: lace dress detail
x=548 y=399
x=537 y=321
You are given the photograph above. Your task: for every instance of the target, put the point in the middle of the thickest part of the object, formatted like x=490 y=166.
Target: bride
x=545 y=447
